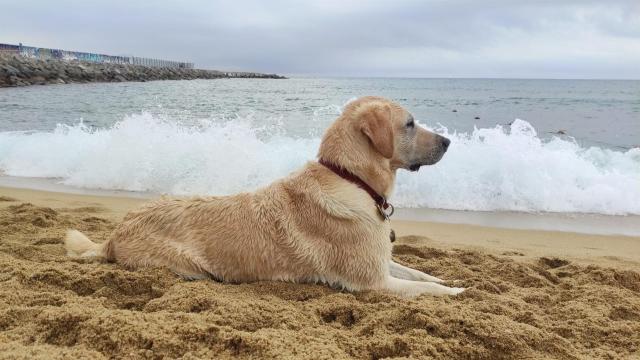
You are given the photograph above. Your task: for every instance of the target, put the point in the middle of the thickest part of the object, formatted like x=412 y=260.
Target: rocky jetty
x=21 y=71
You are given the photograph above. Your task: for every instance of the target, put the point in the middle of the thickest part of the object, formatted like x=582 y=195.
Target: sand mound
x=54 y=307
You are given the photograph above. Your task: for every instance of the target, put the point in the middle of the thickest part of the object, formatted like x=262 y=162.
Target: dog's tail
x=78 y=245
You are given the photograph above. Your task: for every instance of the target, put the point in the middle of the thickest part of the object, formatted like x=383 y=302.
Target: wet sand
x=531 y=294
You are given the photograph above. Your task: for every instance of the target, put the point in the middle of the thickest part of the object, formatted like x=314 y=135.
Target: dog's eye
x=411 y=123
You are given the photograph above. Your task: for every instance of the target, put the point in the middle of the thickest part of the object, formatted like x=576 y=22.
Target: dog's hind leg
x=185 y=267
x=402 y=272
x=181 y=258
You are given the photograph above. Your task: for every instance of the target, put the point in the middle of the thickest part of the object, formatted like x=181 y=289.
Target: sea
x=536 y=146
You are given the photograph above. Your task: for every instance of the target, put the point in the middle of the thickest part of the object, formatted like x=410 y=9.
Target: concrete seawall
x=20 y=71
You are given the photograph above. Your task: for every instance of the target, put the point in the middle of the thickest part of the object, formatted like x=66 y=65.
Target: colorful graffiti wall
x=45 y=53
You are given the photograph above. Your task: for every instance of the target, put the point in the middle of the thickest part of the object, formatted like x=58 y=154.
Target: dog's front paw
x=456 y=290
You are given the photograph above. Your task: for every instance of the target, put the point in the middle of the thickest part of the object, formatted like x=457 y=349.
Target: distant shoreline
x=21 y=71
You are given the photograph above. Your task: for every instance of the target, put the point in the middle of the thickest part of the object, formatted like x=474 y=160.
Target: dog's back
x=307 y=227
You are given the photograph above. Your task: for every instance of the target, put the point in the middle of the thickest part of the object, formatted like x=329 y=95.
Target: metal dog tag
x=386 y=214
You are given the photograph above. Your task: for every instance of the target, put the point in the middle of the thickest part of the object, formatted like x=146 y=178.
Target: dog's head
x=381 y=129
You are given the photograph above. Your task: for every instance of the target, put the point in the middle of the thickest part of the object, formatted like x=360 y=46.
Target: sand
x=531 y=294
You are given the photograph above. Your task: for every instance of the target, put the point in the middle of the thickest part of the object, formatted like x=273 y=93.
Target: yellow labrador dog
x=327 y=222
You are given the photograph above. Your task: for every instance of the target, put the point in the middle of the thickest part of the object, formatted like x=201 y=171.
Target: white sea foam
x=497 y=168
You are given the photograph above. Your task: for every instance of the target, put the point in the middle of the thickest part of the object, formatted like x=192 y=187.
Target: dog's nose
x=444 y=142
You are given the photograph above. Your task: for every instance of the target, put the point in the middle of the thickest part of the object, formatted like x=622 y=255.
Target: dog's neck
x=381 y=200
x=379 y=178
x=369 y=166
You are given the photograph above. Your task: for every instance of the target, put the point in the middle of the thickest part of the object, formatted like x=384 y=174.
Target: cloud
x=499 y=38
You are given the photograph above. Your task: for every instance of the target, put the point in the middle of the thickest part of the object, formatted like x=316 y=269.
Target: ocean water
x=231 y=135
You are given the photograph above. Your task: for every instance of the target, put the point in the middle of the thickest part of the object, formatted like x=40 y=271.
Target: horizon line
x=455 y=77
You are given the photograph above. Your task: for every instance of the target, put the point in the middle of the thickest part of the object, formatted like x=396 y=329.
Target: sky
x=401 y=38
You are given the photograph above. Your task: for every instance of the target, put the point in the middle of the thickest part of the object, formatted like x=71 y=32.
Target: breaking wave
x=500 y=168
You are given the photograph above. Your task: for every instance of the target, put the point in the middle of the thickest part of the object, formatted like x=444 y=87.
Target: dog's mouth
x=430 y=161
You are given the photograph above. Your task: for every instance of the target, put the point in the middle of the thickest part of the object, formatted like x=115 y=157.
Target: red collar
x=381 y=202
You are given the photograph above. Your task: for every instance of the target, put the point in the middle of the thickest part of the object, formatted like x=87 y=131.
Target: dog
x=324 y=223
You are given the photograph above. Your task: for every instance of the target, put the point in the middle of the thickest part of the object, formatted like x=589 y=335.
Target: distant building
x=46 y=53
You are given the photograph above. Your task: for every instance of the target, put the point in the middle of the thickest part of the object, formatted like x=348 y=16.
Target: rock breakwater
x=22 y=71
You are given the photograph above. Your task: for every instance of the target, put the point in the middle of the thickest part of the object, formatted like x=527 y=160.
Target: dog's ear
x=376 y=125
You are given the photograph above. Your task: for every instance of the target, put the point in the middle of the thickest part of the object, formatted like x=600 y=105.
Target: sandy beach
x=531 y=294
x=504 y=136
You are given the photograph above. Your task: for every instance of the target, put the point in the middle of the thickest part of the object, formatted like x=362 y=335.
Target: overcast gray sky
x=428 y=38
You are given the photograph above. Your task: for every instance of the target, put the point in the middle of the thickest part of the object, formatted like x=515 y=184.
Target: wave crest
x=501 y=168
